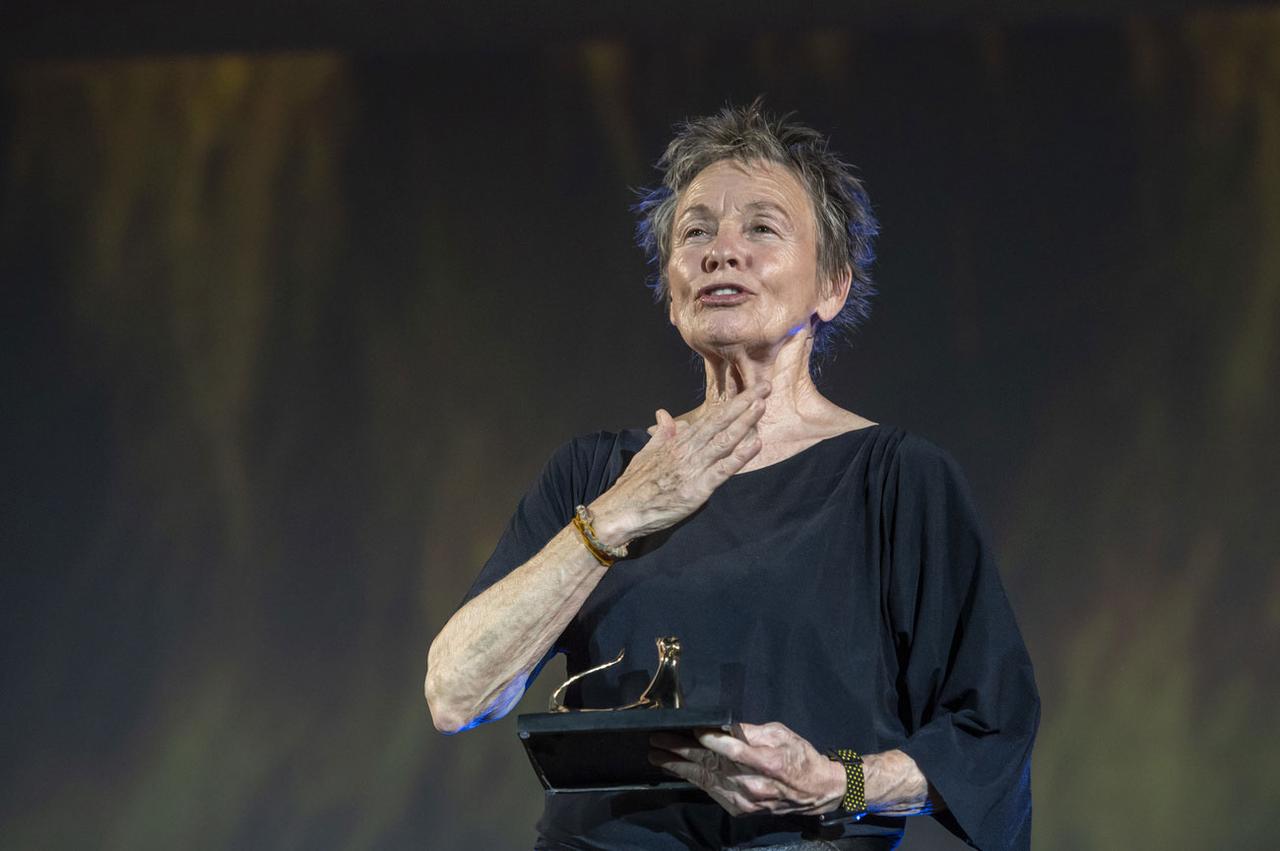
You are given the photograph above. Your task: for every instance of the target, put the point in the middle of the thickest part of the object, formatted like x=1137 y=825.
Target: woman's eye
x=762 y=228
x=694 y=232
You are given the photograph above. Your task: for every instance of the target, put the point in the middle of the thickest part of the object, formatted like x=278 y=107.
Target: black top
x=846 y=591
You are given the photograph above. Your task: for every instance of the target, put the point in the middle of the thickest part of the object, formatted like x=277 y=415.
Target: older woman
x=827 y=575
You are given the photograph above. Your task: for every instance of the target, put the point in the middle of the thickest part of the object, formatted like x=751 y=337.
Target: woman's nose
x=722 y=252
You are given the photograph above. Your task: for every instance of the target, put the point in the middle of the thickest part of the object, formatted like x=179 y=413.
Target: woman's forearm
x=895 y=786
x=478 y=664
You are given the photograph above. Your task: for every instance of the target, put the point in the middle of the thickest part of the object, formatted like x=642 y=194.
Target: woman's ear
x=837 y=290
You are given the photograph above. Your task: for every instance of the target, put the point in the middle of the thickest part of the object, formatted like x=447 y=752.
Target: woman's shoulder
x=919 y=470
x=908 y=455
x=588 y=463
x=919 y=451
x=600 y=446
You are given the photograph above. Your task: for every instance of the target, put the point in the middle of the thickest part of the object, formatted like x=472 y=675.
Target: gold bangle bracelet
x=604 y=553
x=586 y=542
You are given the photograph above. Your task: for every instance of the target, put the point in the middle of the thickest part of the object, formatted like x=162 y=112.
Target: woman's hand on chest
x=679 y=468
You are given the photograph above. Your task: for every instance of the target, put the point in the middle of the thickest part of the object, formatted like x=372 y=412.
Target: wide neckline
x=826 y=441
x=807 y=450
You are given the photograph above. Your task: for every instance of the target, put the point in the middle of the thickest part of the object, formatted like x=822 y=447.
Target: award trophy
x=607 y=749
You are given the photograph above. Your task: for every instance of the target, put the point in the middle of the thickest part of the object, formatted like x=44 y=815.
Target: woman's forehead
x=735 y=184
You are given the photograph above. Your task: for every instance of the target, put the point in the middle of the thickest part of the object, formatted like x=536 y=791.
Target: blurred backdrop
x=289 y=326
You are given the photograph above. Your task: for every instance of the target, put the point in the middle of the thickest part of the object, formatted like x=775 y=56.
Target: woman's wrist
x=896 y=786
x=611 y=526
x=833 y=788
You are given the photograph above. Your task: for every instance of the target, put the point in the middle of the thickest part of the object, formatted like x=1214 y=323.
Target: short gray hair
x=846 y=226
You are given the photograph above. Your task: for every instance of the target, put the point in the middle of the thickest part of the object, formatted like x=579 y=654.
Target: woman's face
x=744 y=259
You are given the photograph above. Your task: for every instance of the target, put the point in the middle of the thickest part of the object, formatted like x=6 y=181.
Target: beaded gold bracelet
x=604 y=553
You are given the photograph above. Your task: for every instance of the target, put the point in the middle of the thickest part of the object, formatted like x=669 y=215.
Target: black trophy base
x=608 y=751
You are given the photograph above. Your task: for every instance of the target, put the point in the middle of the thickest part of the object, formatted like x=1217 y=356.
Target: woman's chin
x=732 y=348
x=727 y=335
x=723 y=343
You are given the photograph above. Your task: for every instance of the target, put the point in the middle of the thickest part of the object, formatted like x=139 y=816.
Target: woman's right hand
x=679 y=468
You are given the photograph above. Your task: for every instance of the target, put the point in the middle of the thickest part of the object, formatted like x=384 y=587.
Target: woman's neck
x=794 y=406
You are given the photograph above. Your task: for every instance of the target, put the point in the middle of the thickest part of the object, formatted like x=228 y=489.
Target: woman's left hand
x=769 y=770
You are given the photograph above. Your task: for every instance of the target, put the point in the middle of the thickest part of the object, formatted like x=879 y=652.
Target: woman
x=826 y=575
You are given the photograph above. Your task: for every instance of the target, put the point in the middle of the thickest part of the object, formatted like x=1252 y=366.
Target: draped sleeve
x=967 y=693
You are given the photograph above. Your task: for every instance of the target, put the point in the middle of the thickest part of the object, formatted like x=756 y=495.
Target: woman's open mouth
x=722 y=295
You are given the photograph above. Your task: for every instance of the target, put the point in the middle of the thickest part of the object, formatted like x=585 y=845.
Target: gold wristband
x=603 y=553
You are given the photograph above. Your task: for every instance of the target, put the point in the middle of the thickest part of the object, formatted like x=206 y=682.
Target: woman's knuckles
x=774 y=764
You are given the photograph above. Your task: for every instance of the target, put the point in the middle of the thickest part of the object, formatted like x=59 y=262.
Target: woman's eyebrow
x=767 y=207
x=695 y=210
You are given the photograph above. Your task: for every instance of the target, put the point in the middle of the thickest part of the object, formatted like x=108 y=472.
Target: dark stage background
x=286 y=334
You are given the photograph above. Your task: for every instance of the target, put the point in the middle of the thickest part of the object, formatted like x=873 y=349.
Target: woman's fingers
x=727 y=432
x=720 y=414
x=712 y=748
x=763 y=757
x=686 y=460
x=765 y=768
x=724 y=467
x=685 y=747
x=710 y=428
x=728 y=465
x=737 y=431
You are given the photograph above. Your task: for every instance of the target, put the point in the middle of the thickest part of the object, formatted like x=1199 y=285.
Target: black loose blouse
x=847 y=592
